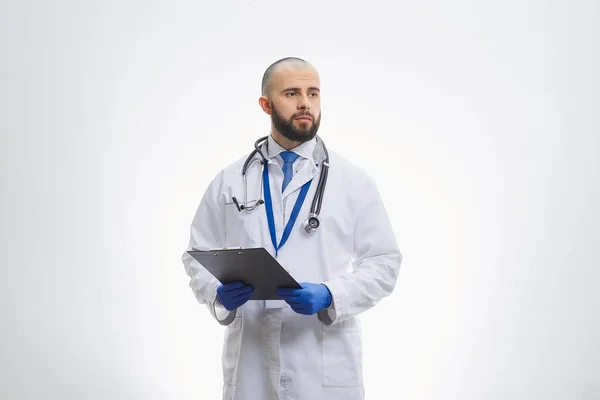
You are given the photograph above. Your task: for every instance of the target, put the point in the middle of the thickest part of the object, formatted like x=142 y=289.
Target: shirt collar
x=305 y=149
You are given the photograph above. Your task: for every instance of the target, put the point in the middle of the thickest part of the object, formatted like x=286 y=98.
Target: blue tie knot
x=288 y=157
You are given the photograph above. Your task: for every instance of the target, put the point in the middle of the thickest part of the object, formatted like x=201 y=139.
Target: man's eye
x=290 y=94
x=314 y=94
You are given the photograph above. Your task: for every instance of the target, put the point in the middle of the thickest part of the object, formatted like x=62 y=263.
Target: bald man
x=307 y=343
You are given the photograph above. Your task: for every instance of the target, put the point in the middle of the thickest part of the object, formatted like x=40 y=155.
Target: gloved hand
x=312 y=298
x=234 y=294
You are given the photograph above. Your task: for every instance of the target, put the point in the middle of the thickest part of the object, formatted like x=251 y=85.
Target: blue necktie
x=288 y=159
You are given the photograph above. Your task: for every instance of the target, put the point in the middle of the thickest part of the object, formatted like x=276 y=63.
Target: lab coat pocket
x=231 y=350
x=233 y=226
x=241 y=227
x=342 y=354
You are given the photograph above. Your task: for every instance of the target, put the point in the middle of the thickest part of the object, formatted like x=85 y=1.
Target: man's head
x=291 y=96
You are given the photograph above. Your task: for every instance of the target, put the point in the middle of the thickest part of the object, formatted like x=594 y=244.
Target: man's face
x=295 y=128
x=295 y=102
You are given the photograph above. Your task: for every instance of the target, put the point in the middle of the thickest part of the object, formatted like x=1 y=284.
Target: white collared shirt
x=304 y=150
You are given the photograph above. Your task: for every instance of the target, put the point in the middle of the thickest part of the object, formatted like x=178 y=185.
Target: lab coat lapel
x=308 y=172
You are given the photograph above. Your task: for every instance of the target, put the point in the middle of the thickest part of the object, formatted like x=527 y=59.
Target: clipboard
x=254 y=266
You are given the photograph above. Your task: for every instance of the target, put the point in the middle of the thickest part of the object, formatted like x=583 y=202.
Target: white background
x=478 y=121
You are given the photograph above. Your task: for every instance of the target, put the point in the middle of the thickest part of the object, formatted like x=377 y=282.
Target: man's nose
x=304 y=103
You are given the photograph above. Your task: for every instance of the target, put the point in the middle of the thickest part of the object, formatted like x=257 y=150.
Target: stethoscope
x=312 y=222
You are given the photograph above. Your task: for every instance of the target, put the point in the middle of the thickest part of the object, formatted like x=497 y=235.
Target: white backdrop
x=479 y=122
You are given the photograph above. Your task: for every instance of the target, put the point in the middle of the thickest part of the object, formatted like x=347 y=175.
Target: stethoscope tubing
x=318 y=199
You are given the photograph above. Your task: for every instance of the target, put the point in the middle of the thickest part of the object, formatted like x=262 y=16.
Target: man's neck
x=283 y=141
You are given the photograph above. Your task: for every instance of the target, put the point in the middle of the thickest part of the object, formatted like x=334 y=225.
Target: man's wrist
x=328 y=300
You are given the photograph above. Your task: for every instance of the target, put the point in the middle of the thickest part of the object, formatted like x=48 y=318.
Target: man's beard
x=289 y=131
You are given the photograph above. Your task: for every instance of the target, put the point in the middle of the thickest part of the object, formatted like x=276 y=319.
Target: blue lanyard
x=269 y=209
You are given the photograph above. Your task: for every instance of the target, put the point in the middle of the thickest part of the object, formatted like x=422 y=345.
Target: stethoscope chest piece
x=311 y=224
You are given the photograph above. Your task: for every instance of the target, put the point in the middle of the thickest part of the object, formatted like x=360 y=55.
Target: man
x=308 y=344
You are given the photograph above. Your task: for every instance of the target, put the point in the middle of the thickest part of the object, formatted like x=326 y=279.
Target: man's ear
x=264 y=103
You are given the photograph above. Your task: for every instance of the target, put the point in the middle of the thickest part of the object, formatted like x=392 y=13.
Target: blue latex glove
x=312 y=298
x=234 y=294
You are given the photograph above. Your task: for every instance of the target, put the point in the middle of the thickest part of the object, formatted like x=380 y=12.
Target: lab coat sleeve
x=376 y=264
x=208 y=232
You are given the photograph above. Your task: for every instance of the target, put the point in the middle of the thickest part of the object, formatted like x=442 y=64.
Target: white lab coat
x=270 y=352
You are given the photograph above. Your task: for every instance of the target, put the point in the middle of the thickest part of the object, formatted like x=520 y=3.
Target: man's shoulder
x=236 y=165
x=233 y=167
x=349 y=169
x=354 y=179
x=225 y=173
